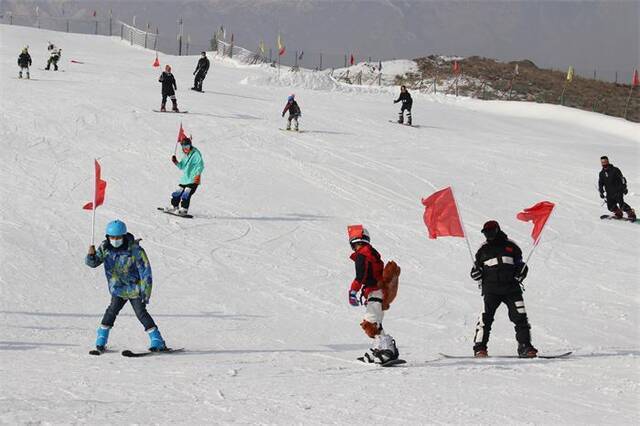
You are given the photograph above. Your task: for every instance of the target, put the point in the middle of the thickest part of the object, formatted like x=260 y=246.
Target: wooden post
x=180 y=27
x=110 y=22
x=270 y=55
x=616 y=82
x=320 y=61
x=96 y=26
x=626 y=107
x=155 y=40
x=121 y=31
x=67 y=25
x=345 y=61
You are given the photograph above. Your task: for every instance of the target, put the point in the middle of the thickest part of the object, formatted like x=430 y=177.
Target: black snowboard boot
x=175 y=105
x=526 y=350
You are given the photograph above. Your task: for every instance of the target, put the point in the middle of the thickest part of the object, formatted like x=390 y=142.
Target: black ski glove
x=476 y=273
x=625 y=191
x=602 y=195
x=522 y=274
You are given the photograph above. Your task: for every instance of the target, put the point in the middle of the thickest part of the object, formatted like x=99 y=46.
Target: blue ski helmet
x=116 y=228
x=291 y=97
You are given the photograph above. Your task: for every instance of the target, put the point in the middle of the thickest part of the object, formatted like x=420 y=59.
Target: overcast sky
x=589 y=35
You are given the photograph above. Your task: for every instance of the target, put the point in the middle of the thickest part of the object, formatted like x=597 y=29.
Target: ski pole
x=466 y=236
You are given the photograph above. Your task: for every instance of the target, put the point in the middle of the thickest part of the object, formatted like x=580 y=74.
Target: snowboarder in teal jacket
x=192 y=167
x=128 y=273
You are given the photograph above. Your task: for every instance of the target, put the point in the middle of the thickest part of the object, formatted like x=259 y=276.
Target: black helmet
x=186 y=141
x=491 y=229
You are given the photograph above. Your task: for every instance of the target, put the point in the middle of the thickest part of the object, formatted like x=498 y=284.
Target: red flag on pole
x=181 y=134
x=537 y=214
x=352 y=61
x=156 y=63
x=441 y=215
x=100 y=189
x=456 y=67
x=635 y=81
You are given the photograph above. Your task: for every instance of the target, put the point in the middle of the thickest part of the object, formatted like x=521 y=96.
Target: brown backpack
x=389 y=283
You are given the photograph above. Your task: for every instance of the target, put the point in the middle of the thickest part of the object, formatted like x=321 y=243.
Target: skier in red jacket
x=369 y=267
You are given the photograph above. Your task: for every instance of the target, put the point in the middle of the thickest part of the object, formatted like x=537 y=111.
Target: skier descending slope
x=168 y=89
x=294 y=111
x=407 y=103
x=55 y=54
x=24 y=62
x=192 y=166
x=500 y=269
x=201 y=72
x=369 y=273
x=129 y=277
x=612 y=181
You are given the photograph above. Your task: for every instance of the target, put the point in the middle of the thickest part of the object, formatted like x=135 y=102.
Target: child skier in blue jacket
x=128 y=273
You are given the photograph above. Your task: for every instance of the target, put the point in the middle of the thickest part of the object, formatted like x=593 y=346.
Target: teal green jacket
x=191 y=166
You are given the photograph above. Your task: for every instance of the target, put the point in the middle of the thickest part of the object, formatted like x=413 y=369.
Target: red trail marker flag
x=181 y=134
x=99 y=191
x=441 y=215
x=538 y=214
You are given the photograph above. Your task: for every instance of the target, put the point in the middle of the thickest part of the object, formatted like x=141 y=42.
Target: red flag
x=100 y=190
x=156 y=63
x=94 y=13
x=537 y=214
x=352 y=60
x=441 y=215
x=635 y=81
x=181 y=134
x=456 y=67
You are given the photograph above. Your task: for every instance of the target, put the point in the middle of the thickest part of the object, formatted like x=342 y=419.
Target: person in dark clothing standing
x=168 y=89
x=407 y=103
x=615 y=185
x=201 y=72
x=294 y=112
x=24 y=62
x=500 y=269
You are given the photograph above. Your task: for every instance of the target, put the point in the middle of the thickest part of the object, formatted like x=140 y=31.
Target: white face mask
x=116 y=243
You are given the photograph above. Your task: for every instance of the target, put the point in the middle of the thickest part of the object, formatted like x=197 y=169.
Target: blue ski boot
x=157 y=342
x=102 y=337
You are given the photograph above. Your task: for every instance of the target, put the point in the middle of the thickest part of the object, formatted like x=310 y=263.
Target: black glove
x=602 y=195
x=522 y=274
x=476 y=273
x=625 y=191
x=283 y=114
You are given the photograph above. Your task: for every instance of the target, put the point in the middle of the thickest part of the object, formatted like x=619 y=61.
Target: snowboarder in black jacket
x=407 y=103
x=168 y=89
x=615 y=185
x=24 y=62
x=500 y=269
x=201 y=72
x=294 y=112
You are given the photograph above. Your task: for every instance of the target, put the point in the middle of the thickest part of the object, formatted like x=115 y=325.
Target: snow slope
x=256 y=286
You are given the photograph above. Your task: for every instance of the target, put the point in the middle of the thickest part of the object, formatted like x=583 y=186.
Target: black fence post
x=67 y=25
x=121 y=31
x=320 y=61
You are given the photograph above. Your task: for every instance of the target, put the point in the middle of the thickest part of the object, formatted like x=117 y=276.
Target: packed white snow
x=255 y=286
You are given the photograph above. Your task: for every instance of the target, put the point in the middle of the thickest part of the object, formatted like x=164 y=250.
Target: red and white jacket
x=369 y=266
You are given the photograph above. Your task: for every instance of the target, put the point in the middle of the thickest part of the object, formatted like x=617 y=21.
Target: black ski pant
x=182 y=196
x=401 y=114
x=52 y=60
x=517 y=315
x=197 y=82
x=139 y=307
x=616 y=201
x=171 y=95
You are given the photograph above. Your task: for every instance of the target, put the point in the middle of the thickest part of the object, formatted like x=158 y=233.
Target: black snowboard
x=405 y=124
x=389 y=363
x=186 y=216
x=179 y=112
x=612 y=217
x=562 y=355
x=130 y=354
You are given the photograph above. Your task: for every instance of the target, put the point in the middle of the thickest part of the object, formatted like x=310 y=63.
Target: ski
x=186 y=216
x=612 y=217
x=561 y=355
x=130 y=354
x=174 y=112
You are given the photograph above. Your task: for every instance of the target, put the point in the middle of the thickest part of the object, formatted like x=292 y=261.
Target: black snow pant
x=517 y=315
x=139 y=307
x=401 y=114
x=171 y=95
x=197 y=82
x=616 y=202
x=182 y=196
x=52 y=60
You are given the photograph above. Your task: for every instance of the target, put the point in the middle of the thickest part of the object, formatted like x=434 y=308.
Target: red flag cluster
x=181 y=134
x=100 y=189
x=456 y=67
x=442 y=218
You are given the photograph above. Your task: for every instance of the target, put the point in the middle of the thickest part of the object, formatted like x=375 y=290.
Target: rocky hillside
x=485 y=78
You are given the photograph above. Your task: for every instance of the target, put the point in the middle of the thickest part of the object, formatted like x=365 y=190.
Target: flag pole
x=535 y=244
x=95 y=195
x=466 y=236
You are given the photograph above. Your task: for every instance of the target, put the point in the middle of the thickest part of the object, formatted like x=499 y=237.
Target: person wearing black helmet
x=407 y=103
x=500 y=270
x=169 y=87
x=201 y=72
